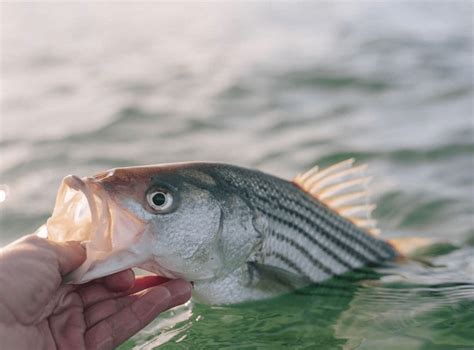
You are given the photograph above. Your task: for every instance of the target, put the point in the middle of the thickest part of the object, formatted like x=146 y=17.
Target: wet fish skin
x=292 y=213
x=301 y=240
x=239 y=234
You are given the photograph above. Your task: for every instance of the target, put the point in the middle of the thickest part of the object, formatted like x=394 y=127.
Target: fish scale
x=299 y=229
x=291 y=214
x=238 y=234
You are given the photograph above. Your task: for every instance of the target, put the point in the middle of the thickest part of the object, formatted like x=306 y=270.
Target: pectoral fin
x=268 y=274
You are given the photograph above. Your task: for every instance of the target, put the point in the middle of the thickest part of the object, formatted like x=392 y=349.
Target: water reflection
x=273 y=86
x=389 y=307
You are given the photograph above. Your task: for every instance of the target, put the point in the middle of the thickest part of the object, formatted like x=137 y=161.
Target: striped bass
x=238 y=234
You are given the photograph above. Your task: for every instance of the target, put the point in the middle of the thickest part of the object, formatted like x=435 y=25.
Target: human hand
x=38 y=312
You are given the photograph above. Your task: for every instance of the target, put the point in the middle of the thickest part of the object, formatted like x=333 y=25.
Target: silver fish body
x=239 y=234
x=298 y=240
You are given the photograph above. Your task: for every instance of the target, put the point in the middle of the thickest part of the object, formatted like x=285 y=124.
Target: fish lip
x=112 y=263
x=86 y=212
x=153 y=266
x=73 y=213
x=74 y=182
x=98 y=207
x=77 y=184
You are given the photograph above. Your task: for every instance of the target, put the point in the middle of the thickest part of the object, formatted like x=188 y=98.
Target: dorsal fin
x=342 y=188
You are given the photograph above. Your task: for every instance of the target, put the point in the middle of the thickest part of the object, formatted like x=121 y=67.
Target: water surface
x=277 y=87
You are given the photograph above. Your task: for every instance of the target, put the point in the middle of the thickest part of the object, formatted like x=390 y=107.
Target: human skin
x=37 y=311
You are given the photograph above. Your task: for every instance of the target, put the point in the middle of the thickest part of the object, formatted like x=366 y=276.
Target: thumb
x=70 y=255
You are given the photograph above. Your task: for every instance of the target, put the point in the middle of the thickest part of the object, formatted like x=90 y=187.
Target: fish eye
x=159 y=200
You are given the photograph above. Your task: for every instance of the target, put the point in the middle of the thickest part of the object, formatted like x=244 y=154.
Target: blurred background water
x=274 y=86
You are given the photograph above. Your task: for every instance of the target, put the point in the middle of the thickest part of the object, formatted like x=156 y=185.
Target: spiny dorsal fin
x=343 y=188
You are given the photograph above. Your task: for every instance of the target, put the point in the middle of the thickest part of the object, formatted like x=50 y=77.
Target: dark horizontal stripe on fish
x=337 y=242
x=342 y=224
x=293 y=226
x=374 y=255
x=252 y=187
x=339 y=224
x=318 y=264
x=291 y=264
x=346 y=230
x=314 y=207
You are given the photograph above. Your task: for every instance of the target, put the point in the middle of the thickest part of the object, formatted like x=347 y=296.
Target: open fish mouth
x=80 y=214
x=85 y=212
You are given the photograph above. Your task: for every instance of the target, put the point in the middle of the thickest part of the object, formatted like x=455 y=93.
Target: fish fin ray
x=282 y=276
x=343 y=188
x=408 y=245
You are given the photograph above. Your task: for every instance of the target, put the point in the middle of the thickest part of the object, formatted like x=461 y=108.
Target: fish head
x=162 y=218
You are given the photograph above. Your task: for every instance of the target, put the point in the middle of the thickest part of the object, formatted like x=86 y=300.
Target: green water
x=365 y=310
x=274 y=86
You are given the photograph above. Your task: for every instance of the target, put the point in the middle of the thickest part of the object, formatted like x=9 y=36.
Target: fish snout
x=86 y=211
x=80 y=212
x=74 y=182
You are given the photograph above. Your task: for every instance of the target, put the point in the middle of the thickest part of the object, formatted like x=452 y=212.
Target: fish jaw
x=113 y=236
x=99 y=263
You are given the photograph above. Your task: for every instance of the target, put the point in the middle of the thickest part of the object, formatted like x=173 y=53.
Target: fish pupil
x=159 y=199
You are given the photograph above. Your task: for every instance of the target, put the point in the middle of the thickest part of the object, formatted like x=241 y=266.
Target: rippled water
x=277 y=87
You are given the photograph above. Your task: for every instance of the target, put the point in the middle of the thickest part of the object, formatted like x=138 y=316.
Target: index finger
x=117 y=328
x=99 y=290
x=120 y=281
